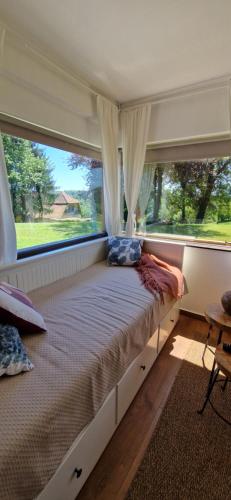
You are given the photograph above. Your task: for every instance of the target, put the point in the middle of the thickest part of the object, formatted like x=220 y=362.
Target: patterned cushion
x=124 y=251
x=13 y=356
x=17 y=309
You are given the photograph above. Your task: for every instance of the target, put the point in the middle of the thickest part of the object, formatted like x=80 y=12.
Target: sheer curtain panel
x=145 y=191
x=135 y=126
x=8 y=248
x=108 y=119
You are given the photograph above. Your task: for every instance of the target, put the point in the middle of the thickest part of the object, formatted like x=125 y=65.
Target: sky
x=65 y=178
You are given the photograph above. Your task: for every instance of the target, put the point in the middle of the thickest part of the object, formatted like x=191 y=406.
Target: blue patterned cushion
x=13 y=356
x=124 y=251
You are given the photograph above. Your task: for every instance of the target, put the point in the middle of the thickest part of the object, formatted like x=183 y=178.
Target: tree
x=30 y=178
x=200 y=182
x=93 y=169
x=157 y=191
x=212 y=178
x=184 y=174
x=43 y=181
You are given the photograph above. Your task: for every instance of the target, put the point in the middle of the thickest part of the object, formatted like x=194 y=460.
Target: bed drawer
x=167 y=325
x=135 y=375
x=174 y=314
x=83 y=454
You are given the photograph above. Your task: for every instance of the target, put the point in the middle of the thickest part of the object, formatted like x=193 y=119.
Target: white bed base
x=86 y=450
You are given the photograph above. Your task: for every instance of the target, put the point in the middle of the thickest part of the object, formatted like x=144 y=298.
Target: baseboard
x=192 y=314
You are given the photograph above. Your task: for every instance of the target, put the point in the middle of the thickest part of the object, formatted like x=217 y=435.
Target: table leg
x=207 y=341
x=219 y=338
x=225 y=384
x=214 y=362
x=210 y=387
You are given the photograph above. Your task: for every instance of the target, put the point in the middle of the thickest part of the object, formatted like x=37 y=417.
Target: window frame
x=18 y=128
x=188 y=151
x=23 y=253
x=188 y=241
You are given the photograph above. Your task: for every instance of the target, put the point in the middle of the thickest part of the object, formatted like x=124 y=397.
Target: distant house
x=64 y=206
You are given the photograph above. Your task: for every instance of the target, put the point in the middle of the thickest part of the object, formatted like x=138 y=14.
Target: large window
x=56 y=194
x=188 y=199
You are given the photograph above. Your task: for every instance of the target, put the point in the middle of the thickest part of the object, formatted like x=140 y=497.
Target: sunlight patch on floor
x=182 y=344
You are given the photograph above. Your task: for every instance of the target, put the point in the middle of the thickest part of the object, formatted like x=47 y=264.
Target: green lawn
x=37 y=233
x=210 y=231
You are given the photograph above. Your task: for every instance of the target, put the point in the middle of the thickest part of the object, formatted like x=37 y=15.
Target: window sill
x=225 y=247
x=188 y=242
x=24 y=253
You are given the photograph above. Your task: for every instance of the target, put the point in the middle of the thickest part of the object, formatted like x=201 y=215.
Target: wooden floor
x=115 y=470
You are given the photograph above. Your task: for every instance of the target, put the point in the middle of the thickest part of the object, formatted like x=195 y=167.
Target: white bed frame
x=86 y=450
x=91 y=442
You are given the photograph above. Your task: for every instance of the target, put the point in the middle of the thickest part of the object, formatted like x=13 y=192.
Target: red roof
x=65 y=199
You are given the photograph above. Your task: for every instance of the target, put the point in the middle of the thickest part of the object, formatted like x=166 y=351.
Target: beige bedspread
x=98 y=321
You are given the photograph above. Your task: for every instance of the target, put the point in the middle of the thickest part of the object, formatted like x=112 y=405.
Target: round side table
x=215 y=316
x=222 y=362
x=218 y=318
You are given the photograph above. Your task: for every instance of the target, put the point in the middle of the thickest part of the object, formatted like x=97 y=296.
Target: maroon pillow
x=17 y=309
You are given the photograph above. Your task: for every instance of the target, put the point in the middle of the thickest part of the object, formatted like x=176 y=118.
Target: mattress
x=98 y=321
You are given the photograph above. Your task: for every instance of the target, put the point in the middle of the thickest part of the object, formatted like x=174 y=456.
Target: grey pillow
x=124 y=251
x=13 y=356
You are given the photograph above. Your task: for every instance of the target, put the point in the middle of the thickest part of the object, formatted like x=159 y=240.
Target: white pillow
x=17 y=309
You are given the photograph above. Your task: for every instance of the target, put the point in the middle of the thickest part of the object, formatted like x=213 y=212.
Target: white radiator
x=41 y=270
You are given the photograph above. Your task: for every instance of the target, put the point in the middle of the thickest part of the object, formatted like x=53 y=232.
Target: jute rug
x=189 y=456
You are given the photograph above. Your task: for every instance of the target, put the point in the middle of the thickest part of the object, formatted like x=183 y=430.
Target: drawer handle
x=78 y=472
x=172 y=320
x=142 y=367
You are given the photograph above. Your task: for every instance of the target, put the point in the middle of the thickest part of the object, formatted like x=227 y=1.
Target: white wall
x=208 y=276
x=172 y=251
x=37 y=91
x=207 y=271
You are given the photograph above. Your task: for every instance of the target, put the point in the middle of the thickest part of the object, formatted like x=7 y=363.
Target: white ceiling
x=129 y=48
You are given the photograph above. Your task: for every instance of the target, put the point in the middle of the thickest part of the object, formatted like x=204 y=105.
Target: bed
x=99 y=322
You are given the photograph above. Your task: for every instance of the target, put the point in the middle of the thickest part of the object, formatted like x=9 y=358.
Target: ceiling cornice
x=180 y=92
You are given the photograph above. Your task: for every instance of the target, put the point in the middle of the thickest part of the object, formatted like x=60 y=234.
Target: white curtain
x=108 y=119
x=135 y=126
x=8 y=248
x=145 y=191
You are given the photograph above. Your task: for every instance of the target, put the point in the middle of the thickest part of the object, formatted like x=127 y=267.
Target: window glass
x=190 y=199
x=56 y=195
